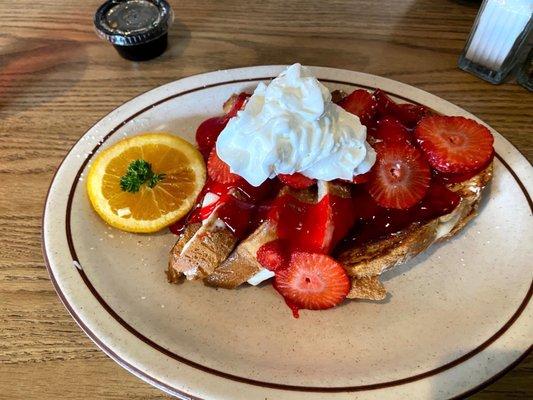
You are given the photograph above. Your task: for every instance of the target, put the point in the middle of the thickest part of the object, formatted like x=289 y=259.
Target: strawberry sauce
x=374 y=222
x=241 y=206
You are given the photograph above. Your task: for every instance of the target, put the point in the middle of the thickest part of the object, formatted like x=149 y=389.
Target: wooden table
x=57 y=79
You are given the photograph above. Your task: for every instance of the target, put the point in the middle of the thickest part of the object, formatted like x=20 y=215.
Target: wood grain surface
x=57 y=78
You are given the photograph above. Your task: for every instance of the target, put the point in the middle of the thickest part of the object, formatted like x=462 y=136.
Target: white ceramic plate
x=457 y=316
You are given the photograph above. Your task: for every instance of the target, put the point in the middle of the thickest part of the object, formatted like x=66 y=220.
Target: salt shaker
x=497 y=38
x=524 y=75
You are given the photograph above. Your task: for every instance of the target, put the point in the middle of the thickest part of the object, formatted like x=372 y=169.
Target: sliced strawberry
x=410 y=114
x=237 y=103
x=361 y=103
x=313 y=282
x=207 y=134
x=400 y=177
x=305 y=226
x=219 y=171
x=273 y=255
x=361 y=178
x=385 y=105
x=407 y=114
x=390 y=129
x=454 y=144
x=296 y=181
x=317 y=228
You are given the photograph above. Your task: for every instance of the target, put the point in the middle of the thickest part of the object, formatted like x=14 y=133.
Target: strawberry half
x=296 y=181
x=219 y=171
x=313 y=282
x=390 y=130
x=400 y=177
x=361 y=103
x=272 y=255
x=454 y=144
x=208 y=132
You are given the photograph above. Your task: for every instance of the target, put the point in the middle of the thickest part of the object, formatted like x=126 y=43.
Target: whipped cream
x=292 y=126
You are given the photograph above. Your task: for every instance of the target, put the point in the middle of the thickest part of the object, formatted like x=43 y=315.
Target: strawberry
x=361 y=178
x=410 y=114
x=219 y=171
x=305 y=226
x=390 y=130
x=361 y=103
x=272 y=255
x=207 y=134
x=385 y=105
x=312 y=281
x=296 y=180
x=407 y=114
x=400 y=177
x=237 y=103
x=454 y=144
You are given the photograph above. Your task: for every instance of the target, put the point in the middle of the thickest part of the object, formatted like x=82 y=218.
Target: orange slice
x=146 y=182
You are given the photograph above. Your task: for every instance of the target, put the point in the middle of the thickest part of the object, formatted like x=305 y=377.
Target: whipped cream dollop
x=291 y=125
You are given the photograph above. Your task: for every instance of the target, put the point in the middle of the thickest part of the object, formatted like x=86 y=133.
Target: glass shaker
x=497 y=38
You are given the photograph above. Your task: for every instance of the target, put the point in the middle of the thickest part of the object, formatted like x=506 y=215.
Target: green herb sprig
x=138 y=173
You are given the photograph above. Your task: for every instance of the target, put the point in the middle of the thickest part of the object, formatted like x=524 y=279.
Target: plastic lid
x=132 y=22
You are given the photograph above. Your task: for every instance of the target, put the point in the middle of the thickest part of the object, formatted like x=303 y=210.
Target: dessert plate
x=458 y=316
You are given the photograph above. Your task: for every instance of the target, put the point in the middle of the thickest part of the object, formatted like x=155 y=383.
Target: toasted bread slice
x=173 y=274
x=198 y=256
x=242 y=263
x=372 y=259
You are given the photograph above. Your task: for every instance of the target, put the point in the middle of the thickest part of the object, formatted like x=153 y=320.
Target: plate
x=457 y=316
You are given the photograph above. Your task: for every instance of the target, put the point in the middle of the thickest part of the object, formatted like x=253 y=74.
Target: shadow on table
x=35 y=71
x=179 y=37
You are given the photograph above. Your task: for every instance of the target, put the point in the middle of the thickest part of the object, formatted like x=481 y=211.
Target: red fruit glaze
x=361 y=103
x=385 y=105
x=273 y=255
x=239 y=104
x=296 y=180
x=312 y=281
x=252 y=204
x=454 y=144
x=362 y=178
x=303 y=225
x=207 y=134
x=410 y=114
x=219 y=171
x=344 y=218
x=400 y=177
x=374 y=222
x=389 y=129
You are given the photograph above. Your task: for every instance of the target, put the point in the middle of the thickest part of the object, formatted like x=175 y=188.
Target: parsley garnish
x=138 y=173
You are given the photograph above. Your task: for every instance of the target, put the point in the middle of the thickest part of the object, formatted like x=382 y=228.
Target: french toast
x=363 y=263
x=366 y=262
x=336 y=234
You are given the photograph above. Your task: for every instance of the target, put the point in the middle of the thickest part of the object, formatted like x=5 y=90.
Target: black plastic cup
x=138 y=29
